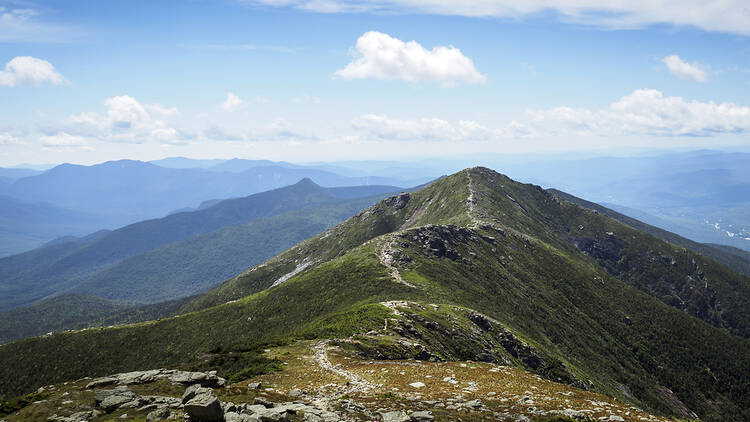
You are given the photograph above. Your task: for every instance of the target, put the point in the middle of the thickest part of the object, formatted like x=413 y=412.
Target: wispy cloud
x=731 y=16
x=685 y=70
x=23 y=23
x=434 y=129
x=380 y=56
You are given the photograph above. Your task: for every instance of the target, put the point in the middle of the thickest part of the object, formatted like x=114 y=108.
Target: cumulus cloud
x=128 y=120
x=380 y=56
x=29 y=70
x=685 y=70
x=232 y=102
x=648 y=112
x=712 y=15
x=433 y=129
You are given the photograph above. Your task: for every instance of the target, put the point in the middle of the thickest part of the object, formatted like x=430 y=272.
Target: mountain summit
x=475 y=266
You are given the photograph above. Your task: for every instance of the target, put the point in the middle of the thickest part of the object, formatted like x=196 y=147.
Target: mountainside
x=177 y=269
x=702 y=195
x=31 y=276
x=25 y=226
x=474 y=266
x=734 y=258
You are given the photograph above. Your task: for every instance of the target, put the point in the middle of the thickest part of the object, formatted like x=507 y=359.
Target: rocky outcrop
x=201 y=404
x=205 y=379
x=198 y=403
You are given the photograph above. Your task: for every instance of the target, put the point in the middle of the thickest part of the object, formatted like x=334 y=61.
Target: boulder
x=158 y=415
x=101 y=382
x=203 y=406
x=422 y=416
x=240 y=417
x=190 y=393
x=396 y=416
x=255 y=386
x=110 y=400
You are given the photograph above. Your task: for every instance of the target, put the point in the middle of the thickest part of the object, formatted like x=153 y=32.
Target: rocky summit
x=473 y=298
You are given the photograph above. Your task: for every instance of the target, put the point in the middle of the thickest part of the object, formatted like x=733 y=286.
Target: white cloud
x=684 y=69
x=433 y=129
x=306 y=99
x=232 y=102
x=730 y=16
x=381 y=56
x=647 y=112
x=8 y=139
x=29 y=70
x=64 y=141
x=127 y=120
x=23 y=25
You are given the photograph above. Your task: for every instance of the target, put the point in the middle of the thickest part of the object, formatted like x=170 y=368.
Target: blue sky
x=300 y=80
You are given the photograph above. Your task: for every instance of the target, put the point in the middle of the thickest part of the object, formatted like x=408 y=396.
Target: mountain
x=25 y=226
x=736 y=259
x=131 y=191
x=31 y=276
x=177 y=269
x=10 y=174
x=473 y=267
x=702 y=195
x=185 y=163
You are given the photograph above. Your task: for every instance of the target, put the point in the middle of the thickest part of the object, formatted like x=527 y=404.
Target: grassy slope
x=527 y=275
x=31 y=276
x=68 y=311
x=185 y=267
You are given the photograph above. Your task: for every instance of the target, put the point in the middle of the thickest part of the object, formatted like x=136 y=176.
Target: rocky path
x=470 y=200
x=355 y=383
x=386 y=258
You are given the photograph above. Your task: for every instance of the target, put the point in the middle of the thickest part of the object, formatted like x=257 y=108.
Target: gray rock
x=255 y=386
x=295 y=393
x=476 y=403
x=262 y=401
x=422 y=416
x=240 y=417
x=114 y=401
x=158 y=414
x=101 y=382
x=274 y=414
x=571 y=413
x=204 y=406
x=396 y=416
x=190 y=392
x=139 y=377
x=255 y=408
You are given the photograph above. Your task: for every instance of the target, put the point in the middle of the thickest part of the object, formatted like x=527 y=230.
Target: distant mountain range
x=117 y=193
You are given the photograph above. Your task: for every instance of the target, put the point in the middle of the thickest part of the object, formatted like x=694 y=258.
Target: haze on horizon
x=304 y=81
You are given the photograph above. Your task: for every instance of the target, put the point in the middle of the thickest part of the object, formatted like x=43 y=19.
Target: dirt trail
x=470 y=201
x=386 y=258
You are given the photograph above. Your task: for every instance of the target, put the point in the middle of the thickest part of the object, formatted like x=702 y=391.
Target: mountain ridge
x=478 y=240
